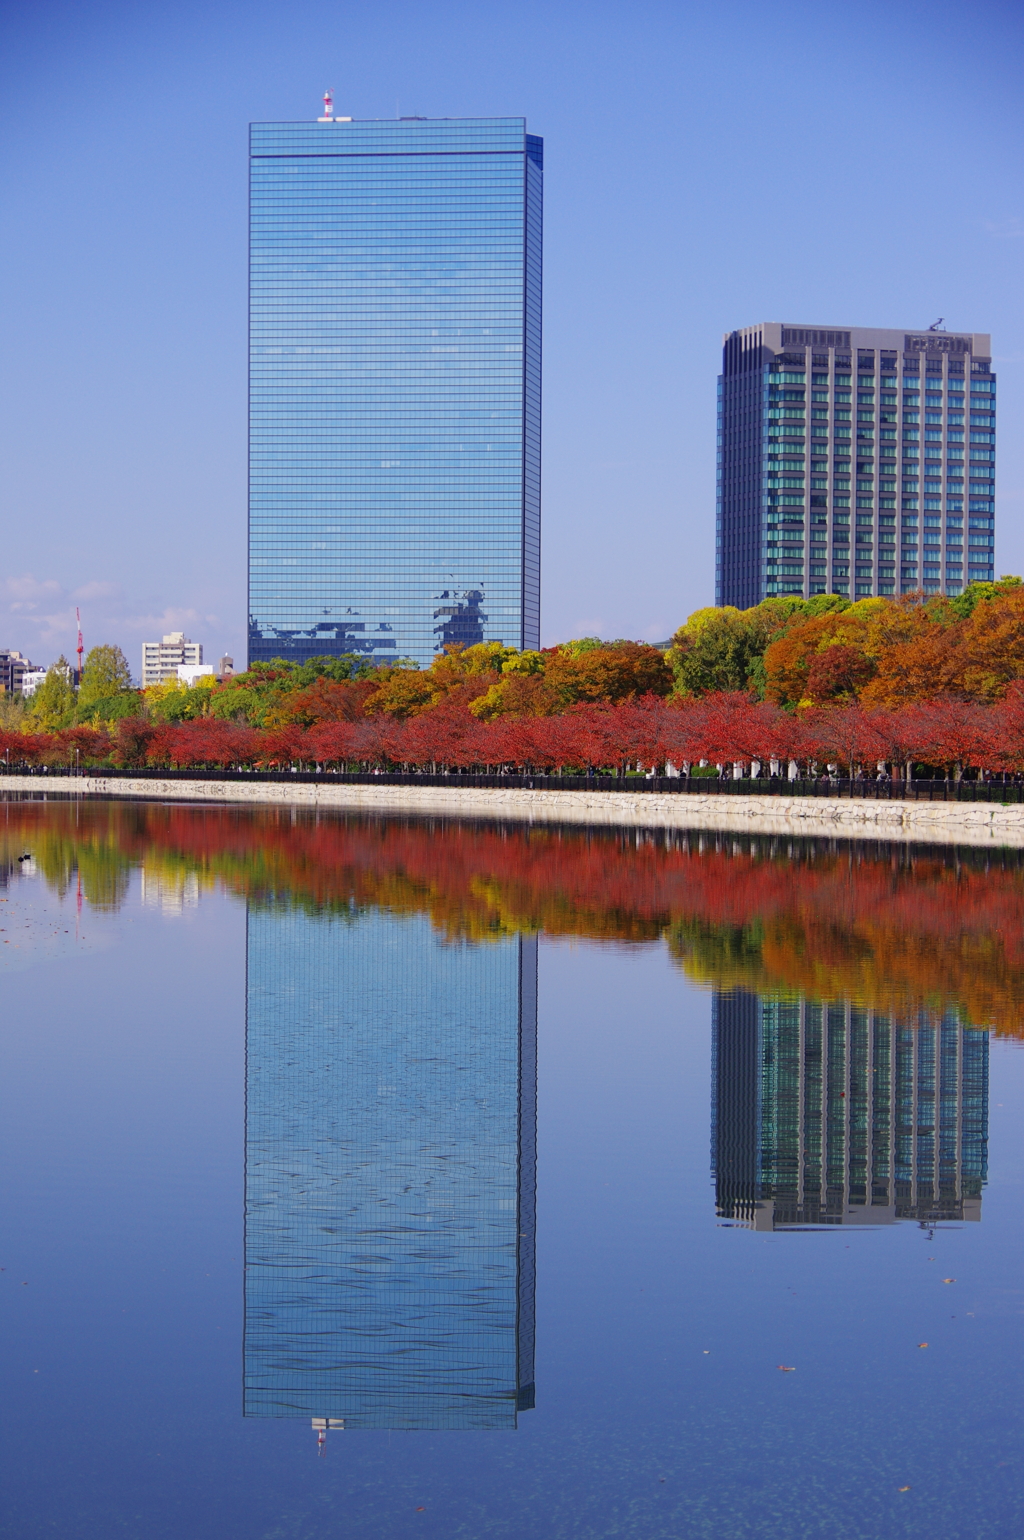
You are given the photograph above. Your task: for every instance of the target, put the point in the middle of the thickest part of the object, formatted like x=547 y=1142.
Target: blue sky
x=707 y=167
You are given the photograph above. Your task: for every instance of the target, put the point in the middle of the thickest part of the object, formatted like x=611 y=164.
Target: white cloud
x=153 y=626
x=95 y=590
x=25 y=592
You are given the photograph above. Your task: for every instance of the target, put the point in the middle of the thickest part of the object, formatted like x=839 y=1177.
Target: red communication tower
x=80 y=648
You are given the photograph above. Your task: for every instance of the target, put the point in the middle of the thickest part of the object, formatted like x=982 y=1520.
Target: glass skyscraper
x=390 y=1172
x=856 y=462
x=827 y=1114
x=395 y=380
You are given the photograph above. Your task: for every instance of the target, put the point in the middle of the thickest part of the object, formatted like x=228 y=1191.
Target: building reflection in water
x=829 y=1114
x=390 y=1172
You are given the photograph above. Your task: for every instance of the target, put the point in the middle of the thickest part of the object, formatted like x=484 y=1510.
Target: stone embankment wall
x=952 y=823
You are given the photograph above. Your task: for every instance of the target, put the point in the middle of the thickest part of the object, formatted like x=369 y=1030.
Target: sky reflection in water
x=275 y=1150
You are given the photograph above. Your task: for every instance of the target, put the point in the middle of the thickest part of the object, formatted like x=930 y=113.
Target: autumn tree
x=53 y=704
x=249 y=696
x=914 y=648
x=106 y=676
x=788 y=659
x=845 y=735
x=963 y=605
x=615 y=671
x=992 y=645
x=838 y=673
x=462 y=673
x=13 y=711
x=943 y=648
x=953 y=733
x=175 y=701
x=722 y=648
x=518 y=695
x=76 y=746
x=324 y=700
x=132 y=737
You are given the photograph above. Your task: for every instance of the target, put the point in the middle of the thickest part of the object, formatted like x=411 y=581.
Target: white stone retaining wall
x=948 y=823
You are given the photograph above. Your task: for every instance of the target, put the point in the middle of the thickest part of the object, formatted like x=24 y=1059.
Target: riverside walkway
x=919 y=813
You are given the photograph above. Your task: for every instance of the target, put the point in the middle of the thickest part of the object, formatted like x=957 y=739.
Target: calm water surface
x=601 y=1185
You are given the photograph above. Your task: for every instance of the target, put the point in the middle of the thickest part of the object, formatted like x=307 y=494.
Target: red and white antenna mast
x=80 y=648
x=328 y=107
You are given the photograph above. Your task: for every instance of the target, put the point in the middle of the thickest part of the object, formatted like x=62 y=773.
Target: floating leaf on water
x=904 y=1489
x=949 y=1280
x=922 y=1344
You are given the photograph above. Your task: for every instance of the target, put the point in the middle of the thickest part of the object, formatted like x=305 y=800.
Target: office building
x=395 y=354
x=390 y=1172
x=14 y=666
x=857 y=462
x=834 y=1114
x=162 y=660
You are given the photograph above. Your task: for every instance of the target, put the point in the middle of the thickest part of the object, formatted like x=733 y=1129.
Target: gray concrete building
x=855 y=461
x=161 y=660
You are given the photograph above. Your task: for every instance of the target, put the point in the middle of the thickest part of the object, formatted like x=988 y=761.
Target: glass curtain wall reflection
x=390 y=1172
x=831 y=1114
x=395 y=379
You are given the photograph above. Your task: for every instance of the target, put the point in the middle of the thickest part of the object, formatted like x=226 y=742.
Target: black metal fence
x=766 y=786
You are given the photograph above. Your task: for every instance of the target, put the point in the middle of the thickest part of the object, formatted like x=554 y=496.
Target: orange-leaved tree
x=788 y=661
x=462 y=673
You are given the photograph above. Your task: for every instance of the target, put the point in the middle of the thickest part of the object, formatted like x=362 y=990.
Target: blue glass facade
x=832 y=1114
x=395 y=383
x=390 y=1173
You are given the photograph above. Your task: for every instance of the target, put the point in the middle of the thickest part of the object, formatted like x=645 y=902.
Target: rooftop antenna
x=936 y=324
x=80 y=648
x=328 y=116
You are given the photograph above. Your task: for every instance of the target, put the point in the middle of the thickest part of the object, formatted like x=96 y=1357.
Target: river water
x=381 y=1177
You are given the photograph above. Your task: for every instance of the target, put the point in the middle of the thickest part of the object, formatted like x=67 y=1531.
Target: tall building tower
x=390 y=1172
x=853 y=462
x=395 y=380
x=827 y=1114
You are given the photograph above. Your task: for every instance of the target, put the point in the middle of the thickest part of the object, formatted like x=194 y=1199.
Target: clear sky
x=707 y=167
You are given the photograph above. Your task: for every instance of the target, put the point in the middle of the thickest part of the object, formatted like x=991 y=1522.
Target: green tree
x=176 y=702
x=981 y=593
x=723 y=648
x=105 y=675
x=53 y=704
x=715 y=649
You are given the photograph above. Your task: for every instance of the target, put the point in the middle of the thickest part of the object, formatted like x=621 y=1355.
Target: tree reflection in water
x=894 y=929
